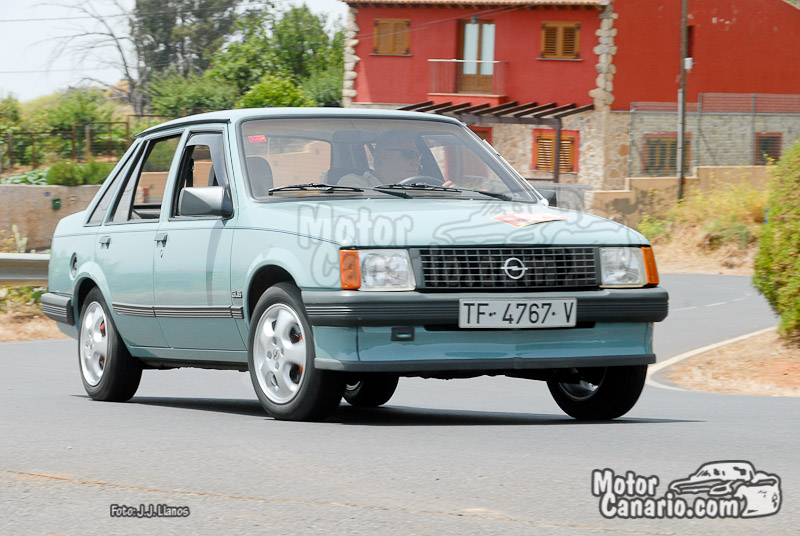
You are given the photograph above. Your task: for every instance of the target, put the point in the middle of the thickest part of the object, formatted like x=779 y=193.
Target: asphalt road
x=482 y=456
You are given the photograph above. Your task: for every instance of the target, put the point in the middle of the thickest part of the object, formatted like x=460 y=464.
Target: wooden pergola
x=532 y=113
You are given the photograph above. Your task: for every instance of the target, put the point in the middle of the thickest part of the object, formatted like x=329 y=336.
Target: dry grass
x=27 y=324
x=760 y=365
x=710 y=232
x=678 y=257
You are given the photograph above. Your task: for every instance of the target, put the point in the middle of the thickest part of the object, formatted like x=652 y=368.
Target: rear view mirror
x=205 y=201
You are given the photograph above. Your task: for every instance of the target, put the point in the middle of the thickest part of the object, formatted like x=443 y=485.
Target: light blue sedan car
x=329 y=252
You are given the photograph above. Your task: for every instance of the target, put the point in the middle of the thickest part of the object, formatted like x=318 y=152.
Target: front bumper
x=354 y=308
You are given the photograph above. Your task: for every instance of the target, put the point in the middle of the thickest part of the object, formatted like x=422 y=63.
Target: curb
x=652 y=369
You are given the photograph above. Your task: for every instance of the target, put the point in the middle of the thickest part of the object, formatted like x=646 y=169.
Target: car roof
x=232 y=116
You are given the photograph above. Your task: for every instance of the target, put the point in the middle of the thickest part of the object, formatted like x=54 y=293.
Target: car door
x=124 y=247
x=193 y=257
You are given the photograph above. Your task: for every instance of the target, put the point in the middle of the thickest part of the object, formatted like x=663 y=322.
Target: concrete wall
x=30 y=208
x=654 y=196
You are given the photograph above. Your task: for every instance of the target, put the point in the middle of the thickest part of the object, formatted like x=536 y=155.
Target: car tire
x=280 y=357
x=604 y=393
x=108 y=370
x=370 y=392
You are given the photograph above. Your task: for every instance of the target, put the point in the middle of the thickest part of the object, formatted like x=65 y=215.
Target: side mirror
x=205 y=201
x=550 y=197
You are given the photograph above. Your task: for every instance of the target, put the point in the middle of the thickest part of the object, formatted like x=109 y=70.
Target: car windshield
x=377 y=157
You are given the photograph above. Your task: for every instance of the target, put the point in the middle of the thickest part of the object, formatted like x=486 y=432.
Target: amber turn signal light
x=650 y=265
x=349 y=269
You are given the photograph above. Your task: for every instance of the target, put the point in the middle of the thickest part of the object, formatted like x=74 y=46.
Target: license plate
x=512 y=314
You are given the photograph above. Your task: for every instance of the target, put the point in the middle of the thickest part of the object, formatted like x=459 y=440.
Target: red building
x=612 y=54
x=737 y=46
x=417 y=51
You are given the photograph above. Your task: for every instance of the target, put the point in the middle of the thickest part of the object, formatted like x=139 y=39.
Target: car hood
x=442 y=222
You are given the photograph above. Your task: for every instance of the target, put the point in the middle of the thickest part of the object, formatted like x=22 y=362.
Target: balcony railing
x=467 y=76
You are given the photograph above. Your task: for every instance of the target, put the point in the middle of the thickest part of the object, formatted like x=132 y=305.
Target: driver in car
x=396 y=158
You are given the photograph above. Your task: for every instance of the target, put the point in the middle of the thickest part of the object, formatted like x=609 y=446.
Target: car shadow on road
x=222 y=405
x=410 y=416
x=396 y=415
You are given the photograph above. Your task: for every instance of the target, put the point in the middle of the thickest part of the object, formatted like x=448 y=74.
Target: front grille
x=537 y=268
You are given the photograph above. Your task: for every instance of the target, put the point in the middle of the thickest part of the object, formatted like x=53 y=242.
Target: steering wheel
x=423 y=179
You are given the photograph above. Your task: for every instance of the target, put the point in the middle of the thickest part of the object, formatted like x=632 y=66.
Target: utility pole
x=682 y=97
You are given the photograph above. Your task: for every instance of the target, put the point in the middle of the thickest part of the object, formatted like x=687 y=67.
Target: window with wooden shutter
x=545 y=148
x=391 y=36
x=661 y=154
x=768 y=148
x=561 y=40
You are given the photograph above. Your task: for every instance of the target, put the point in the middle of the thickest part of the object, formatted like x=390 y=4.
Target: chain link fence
x=23 y=150
x=722 y=129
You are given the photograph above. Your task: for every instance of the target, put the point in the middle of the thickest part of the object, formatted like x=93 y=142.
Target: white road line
x=653 y=383
x=741 y=299
x=652 y=369
x=716 y=304
x=683 y=309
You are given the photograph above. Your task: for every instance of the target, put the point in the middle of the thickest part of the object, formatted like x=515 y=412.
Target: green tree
x=172 y=95
x=301 y=45
x=275 y=91
x=777 y=263
x=292 y=45
x=181 y=34
x=315 y=59
x=10 y=112
x=247 y=59
x=77 y=106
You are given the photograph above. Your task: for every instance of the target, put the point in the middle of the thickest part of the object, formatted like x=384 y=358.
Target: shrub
x=94 y=172
x=729 y=215
x=173 y=95
x=63 y=173
x=67 y=173
x=653 y=228
x=275 y=91
x=777 y=265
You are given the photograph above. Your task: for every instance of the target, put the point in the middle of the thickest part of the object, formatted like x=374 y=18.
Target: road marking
x=652 y=369
x=683 y=309
x=716 y=304
x=740 y=299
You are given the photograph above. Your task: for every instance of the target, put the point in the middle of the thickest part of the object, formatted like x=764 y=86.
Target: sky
x=28 y=67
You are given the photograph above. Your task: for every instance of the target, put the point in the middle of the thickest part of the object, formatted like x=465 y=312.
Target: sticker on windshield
x=260 y=138
x=523 y=219
x=721 y=489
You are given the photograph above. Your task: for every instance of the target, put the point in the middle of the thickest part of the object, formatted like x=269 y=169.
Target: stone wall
x=30 y=208
x=718 y=139
x=350 y=58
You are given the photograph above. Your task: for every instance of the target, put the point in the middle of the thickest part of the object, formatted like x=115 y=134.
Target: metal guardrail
x=20 y=269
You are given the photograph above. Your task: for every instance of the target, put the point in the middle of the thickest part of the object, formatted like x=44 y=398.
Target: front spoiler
x=488 y=365
x=349 y=308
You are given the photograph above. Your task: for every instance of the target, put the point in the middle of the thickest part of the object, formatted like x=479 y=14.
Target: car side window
x=202 y=165
x=144 y=191
x=99 y=212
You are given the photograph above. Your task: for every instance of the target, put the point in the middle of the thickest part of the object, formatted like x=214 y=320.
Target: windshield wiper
x=391 y=191
x=432 y=188
x=496 y=195
x=417 y=186
x=322 y=187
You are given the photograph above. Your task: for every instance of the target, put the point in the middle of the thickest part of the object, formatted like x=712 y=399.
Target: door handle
x=105 y=240
x=161 y=237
